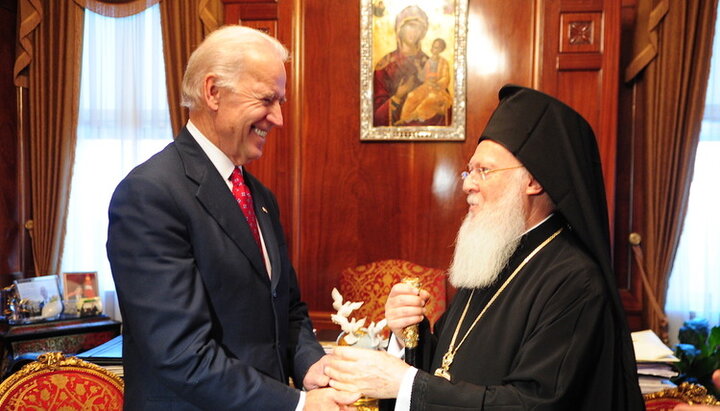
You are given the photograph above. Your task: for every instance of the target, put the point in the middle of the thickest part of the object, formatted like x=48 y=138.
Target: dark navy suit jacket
x=203 y=325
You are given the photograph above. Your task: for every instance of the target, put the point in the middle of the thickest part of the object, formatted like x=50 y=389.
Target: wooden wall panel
x=276 y=167
x=365 y=201
x=581 y=38
x=347 y=202
x=585 y=74
x=587 y=101
x=628 y=198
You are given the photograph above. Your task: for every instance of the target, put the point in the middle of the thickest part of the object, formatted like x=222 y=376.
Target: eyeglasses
x=483 y=172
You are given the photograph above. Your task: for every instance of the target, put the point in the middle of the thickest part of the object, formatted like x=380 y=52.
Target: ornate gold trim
x=452 y=132
x=50 y=362
x=686 y=392
x=411 y=334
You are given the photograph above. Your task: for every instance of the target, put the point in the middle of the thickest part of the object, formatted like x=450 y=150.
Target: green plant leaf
x=699 y=353
x=713 y=340
x=694 y=332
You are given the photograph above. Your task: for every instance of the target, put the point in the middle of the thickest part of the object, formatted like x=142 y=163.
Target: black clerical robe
x=547 y=343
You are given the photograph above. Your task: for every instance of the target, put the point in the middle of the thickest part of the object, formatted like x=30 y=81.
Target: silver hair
x=225 y=52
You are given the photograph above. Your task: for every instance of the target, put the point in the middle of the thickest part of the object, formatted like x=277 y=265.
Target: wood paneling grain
x=239 y=11
x=365 y=201
x=596 y=61
x=628 y=197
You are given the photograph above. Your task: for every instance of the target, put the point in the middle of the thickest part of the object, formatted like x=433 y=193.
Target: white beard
x=487 y=239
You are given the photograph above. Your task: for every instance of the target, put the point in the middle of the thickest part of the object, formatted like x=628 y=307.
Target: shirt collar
x=539 y=224
x=222 y=162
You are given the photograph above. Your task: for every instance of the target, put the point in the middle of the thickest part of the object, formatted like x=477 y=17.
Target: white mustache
x=472 y=199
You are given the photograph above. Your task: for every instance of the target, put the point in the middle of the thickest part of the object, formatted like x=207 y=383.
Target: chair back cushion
x=372 y=282
x=685 y=393
x=58 y=383
x=662 y=404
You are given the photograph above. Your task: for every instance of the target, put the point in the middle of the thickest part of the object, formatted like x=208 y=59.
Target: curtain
x=116 y=8
x=123 y=120
x=48 y=63
x=672 y=85
x=694 y=288
x=29 y=14
x=184 y=25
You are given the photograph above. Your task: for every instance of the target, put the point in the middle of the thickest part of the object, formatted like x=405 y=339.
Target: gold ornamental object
x=411 y=333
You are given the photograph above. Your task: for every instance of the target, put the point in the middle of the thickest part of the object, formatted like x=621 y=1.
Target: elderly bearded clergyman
x=537 y=322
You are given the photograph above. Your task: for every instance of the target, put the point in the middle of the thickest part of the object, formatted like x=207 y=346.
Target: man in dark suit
x=210 y=302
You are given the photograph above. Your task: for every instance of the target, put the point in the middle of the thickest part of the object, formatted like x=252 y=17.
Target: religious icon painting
x=413 y=69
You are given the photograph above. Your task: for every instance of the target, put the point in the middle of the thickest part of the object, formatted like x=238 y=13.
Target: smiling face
x=243 y=116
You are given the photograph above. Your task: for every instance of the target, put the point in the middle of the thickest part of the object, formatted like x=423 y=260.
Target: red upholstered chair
x=54 y=382
x=684 y=393
x=371 y=284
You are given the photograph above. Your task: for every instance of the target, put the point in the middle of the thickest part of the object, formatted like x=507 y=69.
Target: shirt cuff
x=402 y=403
x=394 y=348
x=301 y=401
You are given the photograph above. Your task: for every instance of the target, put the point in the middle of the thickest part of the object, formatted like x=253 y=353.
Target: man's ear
x=211 y=92
x=534 y=187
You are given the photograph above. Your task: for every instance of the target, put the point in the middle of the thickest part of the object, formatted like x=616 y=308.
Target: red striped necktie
x=241 y=192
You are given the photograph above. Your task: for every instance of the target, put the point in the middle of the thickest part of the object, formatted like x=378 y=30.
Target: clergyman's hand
x=375 y=374
x=330 y=399
x=405 y=306
x=315 y=376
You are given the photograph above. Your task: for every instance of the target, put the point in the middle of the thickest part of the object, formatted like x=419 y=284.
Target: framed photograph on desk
x=40 y=296
x=78 y=288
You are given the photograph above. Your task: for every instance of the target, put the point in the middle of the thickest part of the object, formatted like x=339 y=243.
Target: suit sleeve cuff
x=394 y=348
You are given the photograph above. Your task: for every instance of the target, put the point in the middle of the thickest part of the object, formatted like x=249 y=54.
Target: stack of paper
x=654 y=362
x=108 y=356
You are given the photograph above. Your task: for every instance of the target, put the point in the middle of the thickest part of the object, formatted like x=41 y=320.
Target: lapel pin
x=264 y=210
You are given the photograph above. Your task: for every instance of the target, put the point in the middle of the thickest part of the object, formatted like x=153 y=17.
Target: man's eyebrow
x=275 y=96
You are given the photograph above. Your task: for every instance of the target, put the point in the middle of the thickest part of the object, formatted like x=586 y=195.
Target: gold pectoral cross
x=444 y=370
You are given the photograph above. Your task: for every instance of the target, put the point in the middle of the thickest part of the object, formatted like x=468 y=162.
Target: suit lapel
x=217 y=199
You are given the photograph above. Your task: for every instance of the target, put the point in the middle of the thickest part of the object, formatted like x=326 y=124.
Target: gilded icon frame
x=422 y=113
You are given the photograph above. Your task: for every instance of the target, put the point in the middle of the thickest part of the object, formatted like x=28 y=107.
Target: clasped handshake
x=340 y=378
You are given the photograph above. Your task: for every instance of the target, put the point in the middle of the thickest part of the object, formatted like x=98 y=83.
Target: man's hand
x=315 y=376
x=329 y=399
x=405 y=306
x=375 y=374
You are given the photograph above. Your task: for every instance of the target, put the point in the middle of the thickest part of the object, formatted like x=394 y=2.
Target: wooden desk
x=66 y=335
